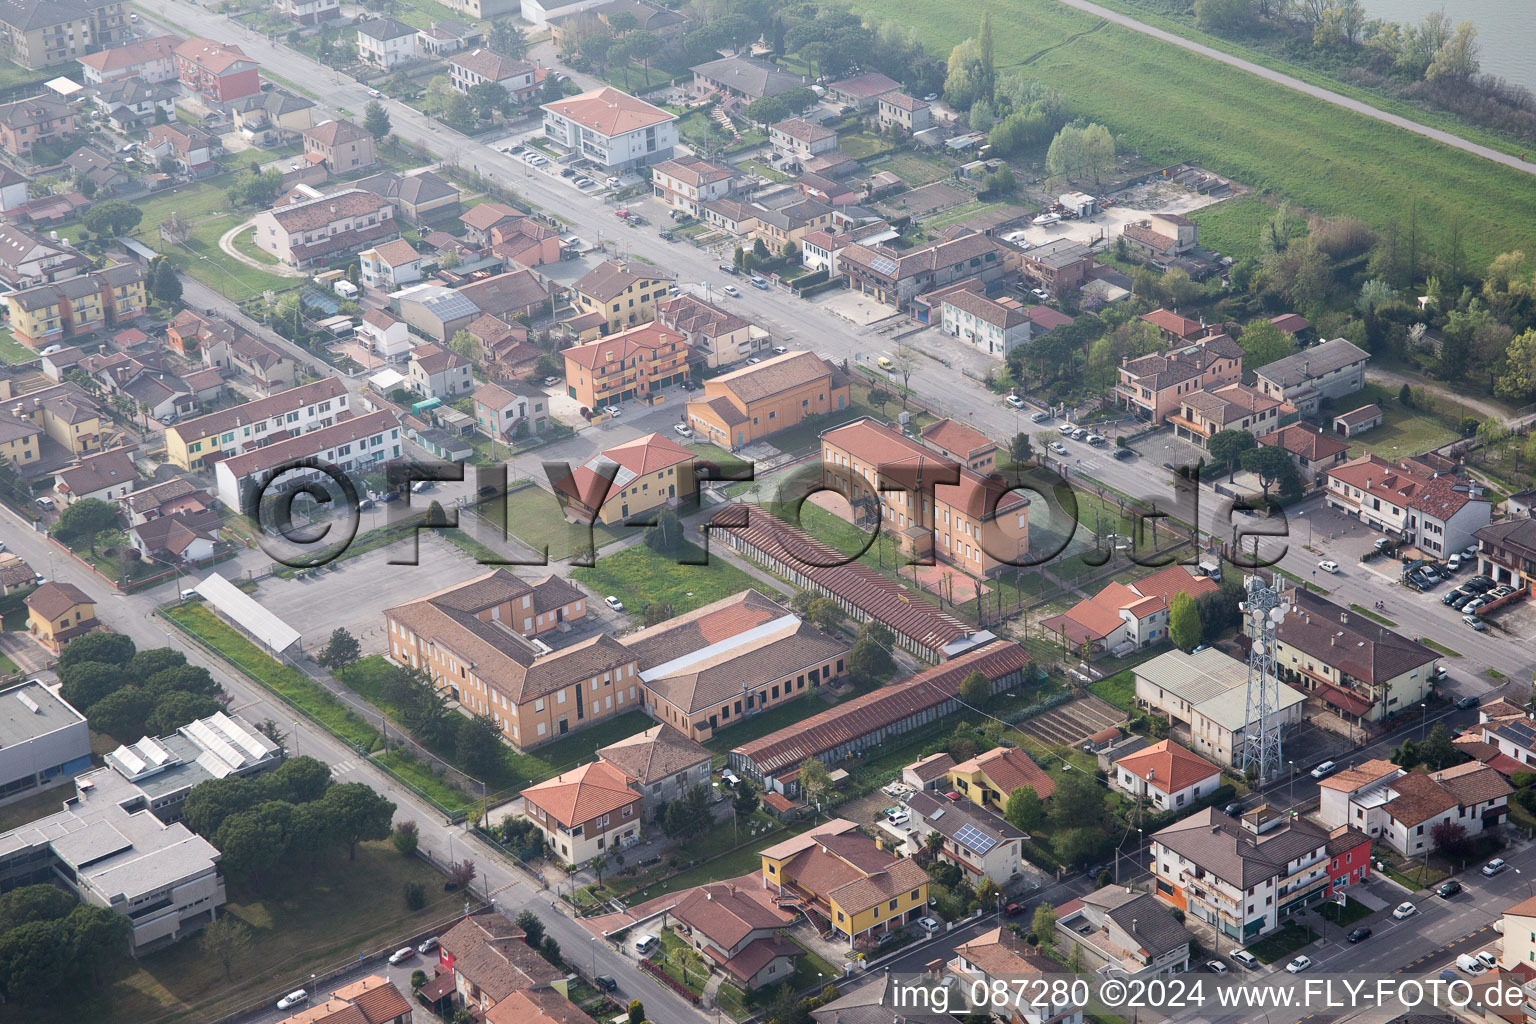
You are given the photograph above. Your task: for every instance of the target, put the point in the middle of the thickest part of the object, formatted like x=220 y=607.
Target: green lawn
x=48 y=801
x=1283 y=943
x=13 y=351
x=244 y=243
x=1233 y=227
x=1373 y=616
x=534 y=517
x=764 y=722
x=640 y=577
x=1403 y=431
x=671 y=958
x=1439 y=647
x=946 y=218
x=1263 y=134
x=299 y=924
x=1118 y=689
x=913 y=168
x=860 y=145
x=13 y=74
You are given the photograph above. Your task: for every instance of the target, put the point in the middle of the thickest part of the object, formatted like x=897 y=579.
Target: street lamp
x=1423 y=721
x=1293 y=780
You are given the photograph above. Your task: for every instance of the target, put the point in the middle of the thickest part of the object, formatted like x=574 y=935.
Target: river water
x=1506 y=30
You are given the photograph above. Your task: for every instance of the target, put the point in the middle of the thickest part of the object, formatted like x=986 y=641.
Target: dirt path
x=1394 y=379
x=227 y=243
x=1326 y=95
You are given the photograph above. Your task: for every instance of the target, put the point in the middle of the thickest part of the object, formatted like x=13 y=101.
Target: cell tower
x=1261 y=737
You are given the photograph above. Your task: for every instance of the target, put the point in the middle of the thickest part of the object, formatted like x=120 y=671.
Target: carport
x=241 y=609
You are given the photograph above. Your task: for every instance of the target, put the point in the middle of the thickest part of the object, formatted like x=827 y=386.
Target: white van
x=645 y=945
x=1470 y=964
x=187 y=595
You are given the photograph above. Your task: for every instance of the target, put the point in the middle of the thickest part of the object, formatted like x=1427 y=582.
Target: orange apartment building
x=650 y=472
x=628 y=365
x=1153 y=387
x=753 y=402
x=976 y=524
x=585 y=812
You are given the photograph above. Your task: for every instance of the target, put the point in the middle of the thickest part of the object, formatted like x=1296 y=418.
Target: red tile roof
x=1179 y=326
x=610 y=112
x=1168 y=766
x=1008 y=768
x=584 y=793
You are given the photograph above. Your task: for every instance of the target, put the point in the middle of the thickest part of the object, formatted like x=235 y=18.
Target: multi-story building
x=58 y=613
x=855 y=886
x=623 y=294
x=357 y=446
x=1204 y=414
x=717 y=337
x=385 y=334
x=959 y=443
x=738 y=929
x=612 y=129
x=419 y=198
x=50 y=313
x=1153 y=387
x=1165 y=775
x=526 y=243
x=315 y=230
x=661 y=764
x=969 y=520
x=19 y=439
x=1333 y=369
x=799 y=139
x=1161 y=236
x=152 y=59
x=629 y=365
x=688 y=182
x=979 y=842
x=106 y=476
x=130 y=104
x=341 y=145
x=191 y=148
x=586 y=812
x=995 y=326
x=784 y=220
x=437 y=372
x=40 y=33
x=440 y=38
x=196 y=443
x=904 y=112
x=510 y=410
x=1242 y=881
x=896 y=278
x=27 y=259
x=385 y=42
x=1205 y=694
x=46 y=739
x=26 y=123
x=117 y=842
x=272 y=117
x=67 y=414
x=745 y=78
x=469 y=69
x=1506 y=552
x=630 y=481
x=1130 y=931
x=730 y=660
x=1000 y=958
x=1059 y=266
x=739 y=407
x=1312 y=450
x=1519 y=933
x=1401 y=808
x=1440 y=514
x=484 y=962
x=987 y=779
x=308 y=12
x=390 y=265
x=219 y=73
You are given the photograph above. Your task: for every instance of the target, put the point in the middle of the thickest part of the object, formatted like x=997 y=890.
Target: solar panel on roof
x=974 y=839
x=883 y=265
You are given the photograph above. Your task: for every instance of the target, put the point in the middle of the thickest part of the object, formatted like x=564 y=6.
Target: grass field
x=1170 y=105
x=1232 y=227
x=30 y=808
x=1403 y=431
x=534 y=517
x=1118 y=689
x=913 y=168
x=13 y=351
x=245 y=245
x=344 y=908
x=639 y=577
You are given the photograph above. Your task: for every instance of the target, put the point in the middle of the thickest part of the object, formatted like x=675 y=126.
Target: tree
x=123 y=713
x=112 y=217
x=1437 y=751
x=869 y=661
x=1270 y=464
x=147 y=664
x=549 y=949
x=1457 y=57
x=164 y=283
x=825 y=614
x=34 y=903
x=1024 y=809
x=533 y=928
x=106 y=648
x=406 y=837
x=976 y=690
x=298 y=780
x=87 y=682
x=658 y=612
x=1184 y=620
x=905 y=358
x=478 y=745
x=376 y=119
x=1076 y=801
x=176 y=709
x=1227 y=446
x=357 y=814
x=1450 y=839
x=340 y=651
x=225 y=940
x=1044 y=926
x=1518 y=381
x=1075 y=958
x=815 y=780
x=665 y=535
x=636 y=1010
x=488 y=98
x=460 y=874
x=985 y=54
x=507 y=38
x=981 y=117
x=84 y=520
x=1080 y=152
x=766 y=111
x=252 y=842
x=415 y=895
x=1223 y=15
x=97 y=937
x=1263 y=343
x=465 y=344
x=1021 y=449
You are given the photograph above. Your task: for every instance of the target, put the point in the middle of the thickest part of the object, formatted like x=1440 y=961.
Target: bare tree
x=905 y=359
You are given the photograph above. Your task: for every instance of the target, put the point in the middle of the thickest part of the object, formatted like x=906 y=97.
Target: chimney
x=1133 y=926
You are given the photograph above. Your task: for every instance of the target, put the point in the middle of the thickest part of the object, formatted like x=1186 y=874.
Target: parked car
x=682 y=429
x=550 y=382
x=726 y=268
x=1468 y=703
x=1480 y=584
x=1453 y=563
x=1216 y=967
x=1097 y=440
x=1124 y=454
x=1405 y=910
x=614 y=603
x=1358 y=935
x=1014 y=909
x=1470 y=964
x=899 y=817
x=1448 y=889
x=1016 y=402
x=1328 y=565
x=645 y=945
x=1489 y=960
x=1079 y=434
x=428 y=945
x=928 y=925
x=760 y=283
x=401 y=955
x=292 y=999
x=1476 y=623
x=611 y=410
x=1298 y=965
x=1324 y=770
x=1066 y=429
x=753 y=360
x=1494 y=866
x=605 y=982
x=732 y=291
x=1041 y=294
x=885 y=363
x=1243 y=958
x=1038 y=417
x=1058 y=447
x=780 y=350
x=1462 y=600
x=45 y=503
x=1457 y=594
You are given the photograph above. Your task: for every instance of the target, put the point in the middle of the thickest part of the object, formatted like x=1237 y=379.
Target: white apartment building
x=994 y=326
x=353 y=446
x=687 y=182
x=232 y=431
x=611 y=128
x=385 y=42
x=469 y=69
x=300 y=233
x=1401 y=808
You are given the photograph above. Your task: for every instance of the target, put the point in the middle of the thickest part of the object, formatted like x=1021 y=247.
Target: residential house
x=485 y=960
x=979 y=842
x=504 y=352
x=665 y=24
x=1153 y=387
x=420 y=198
x=40 y=33
x=999 y=960
x=905 y=112
x=846 y=879
x=272 y=117
x=821 y=250
x=308 y=12
x=197 y=443
x=829 y=191
x=386 y=43
x=585 y=812
x=1176 y=329
x=929 y=773
x=189 y=538
x=1358 y=421
x=959 y=443
x=390 y=265
x=1130 y=931
x=862 y=91
x=436 y=311
x=1363 y=670
x=536 y=1005
x=995 y=326
x=715 y=337
x=191 y=149
x=785 y=219
x=478 y=220
x=441 y=38
x=743 y=405
x=217 y=73
x=526 y=243
x=29 y=122
x=661 y=764
x=370 y=1000
x=358 y=445
x=737 y=929
x=437 y=372
x=1313 y=451
x=987 y=779
x=341 y=145
x=267 y=366
x=930 y=506
x=178 y=494
x=518 y=77
x=1519 y=931
x=1292 y=323
x=58 y=613
x=730 y=216
x=632 y=480
x=1165 y=775
x=507 y=295
x=1334 y=369
x=743 y=78
x=49 y=313
x=612 y=129
x=799 y=139
x=1203 y=414
x=896 y=278
x=1242 y=881
x=1506 y=552
x=1400 y=808
x=131 y=104
x=384 y=334
x=687 y=182
x=511 y=410
x=27 y=259
x=630 y=365
x=19 y=439
x=1059 y=266
x=864 y=722
x=1205 y=696
x=106 y=476
x=1438 y=514
x=152 y=59
x=312 y=230
x=732 y=659
x=1161 y=236
x=67 y=414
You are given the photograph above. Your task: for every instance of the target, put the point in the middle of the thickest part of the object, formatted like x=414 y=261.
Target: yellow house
x=52 y=312
x=987 y=779
x=60 y=612
x=18 y=439
x=623 y=296
x=650 y=473
x=67 y=414
x=858 y=887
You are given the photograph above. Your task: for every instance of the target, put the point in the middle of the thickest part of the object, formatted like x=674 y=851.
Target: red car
x=1014 y=909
